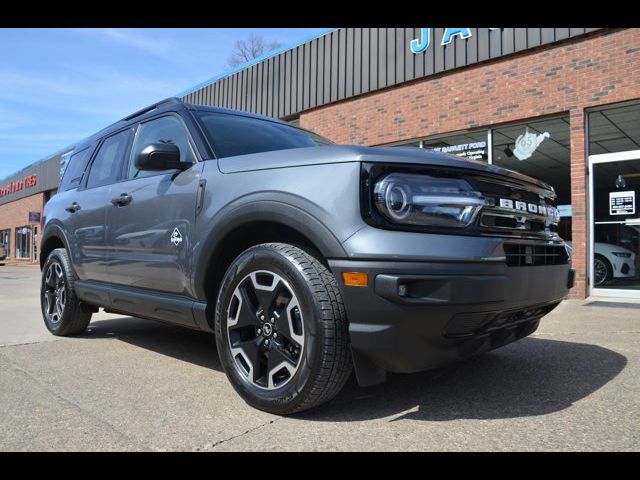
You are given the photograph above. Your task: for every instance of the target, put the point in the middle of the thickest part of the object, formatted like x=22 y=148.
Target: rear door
x=150 y=236
x=88 y=206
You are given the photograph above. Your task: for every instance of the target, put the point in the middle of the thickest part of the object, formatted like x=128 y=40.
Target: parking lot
x=131 y=384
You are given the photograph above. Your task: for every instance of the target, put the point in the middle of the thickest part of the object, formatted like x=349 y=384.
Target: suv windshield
x=232 y=135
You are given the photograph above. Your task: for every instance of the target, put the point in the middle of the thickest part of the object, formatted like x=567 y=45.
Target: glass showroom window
x=614 y=154
x=5 y=239
x=23 y=242
x=472 y=145
x=414 y=144
x=540 y=149
x=614 y=129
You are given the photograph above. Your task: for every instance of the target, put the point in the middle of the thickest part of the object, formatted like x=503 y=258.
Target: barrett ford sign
x=29 y=181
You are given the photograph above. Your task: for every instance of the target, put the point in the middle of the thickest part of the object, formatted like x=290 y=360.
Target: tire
x=601 y=264
x=62 y=311
x=309 y=338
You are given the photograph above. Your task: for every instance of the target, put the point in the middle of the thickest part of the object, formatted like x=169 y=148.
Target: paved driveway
x=131 y=384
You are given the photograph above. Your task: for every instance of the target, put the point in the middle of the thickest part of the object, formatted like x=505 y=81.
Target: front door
x=151 y=234
x=616 y=226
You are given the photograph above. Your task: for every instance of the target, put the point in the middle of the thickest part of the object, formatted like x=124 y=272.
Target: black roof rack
x=151 y=107
x=133 y=115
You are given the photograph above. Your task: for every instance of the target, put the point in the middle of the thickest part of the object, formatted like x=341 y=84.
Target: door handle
x=122 y=200
x=73 y=208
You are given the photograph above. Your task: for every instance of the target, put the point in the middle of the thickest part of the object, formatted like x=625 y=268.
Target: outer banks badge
x=176 y=237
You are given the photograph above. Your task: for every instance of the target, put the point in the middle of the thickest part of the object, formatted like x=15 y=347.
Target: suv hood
x=298 y=157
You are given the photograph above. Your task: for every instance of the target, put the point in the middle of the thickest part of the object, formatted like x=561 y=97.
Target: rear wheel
x=281 y=329
x=62 y=311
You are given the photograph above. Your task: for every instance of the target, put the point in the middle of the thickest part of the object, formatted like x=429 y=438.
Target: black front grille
x=525 y=217
x=491 y=220
x=506 y=189
x=519 y=255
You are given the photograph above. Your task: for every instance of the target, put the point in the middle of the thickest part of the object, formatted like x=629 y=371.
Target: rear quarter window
x=74 y=170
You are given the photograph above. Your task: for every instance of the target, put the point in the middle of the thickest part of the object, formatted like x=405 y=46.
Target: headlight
x=622 y=254
x=412 y=199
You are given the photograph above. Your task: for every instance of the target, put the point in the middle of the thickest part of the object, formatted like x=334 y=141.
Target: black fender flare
x=273 y=211
x=53 y=230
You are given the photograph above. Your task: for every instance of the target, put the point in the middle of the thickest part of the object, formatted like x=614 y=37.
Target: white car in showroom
x=611 y=261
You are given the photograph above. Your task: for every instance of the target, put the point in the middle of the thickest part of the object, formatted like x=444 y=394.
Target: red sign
x=13 y=187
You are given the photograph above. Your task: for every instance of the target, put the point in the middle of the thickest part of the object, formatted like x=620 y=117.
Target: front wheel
x=602 y=270
x=281 y=329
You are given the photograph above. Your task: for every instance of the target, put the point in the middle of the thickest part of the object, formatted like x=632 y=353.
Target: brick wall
x=594 y=70
x=16 y=214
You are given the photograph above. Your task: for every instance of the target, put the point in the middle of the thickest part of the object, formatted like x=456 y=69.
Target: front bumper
x=417 y=315
x=624 y=268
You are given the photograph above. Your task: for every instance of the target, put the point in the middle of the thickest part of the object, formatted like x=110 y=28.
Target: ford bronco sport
x=303 y=257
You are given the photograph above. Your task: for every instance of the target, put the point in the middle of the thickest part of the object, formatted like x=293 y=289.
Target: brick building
x=542 y=88
x=22 y=199
x=559 y=104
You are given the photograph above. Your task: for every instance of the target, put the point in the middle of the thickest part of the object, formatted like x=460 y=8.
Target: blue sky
x=60 y=85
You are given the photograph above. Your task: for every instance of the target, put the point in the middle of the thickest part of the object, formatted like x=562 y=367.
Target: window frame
x=136 y=127
x=95 y=153
x=86 y=169
x=199 y=112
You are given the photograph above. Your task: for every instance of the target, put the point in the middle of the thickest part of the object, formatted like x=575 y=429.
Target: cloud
x=129 y=38
x=58 y=86
x=39 y=114
x=16 y=81
x=44 y=138
x=98 y=91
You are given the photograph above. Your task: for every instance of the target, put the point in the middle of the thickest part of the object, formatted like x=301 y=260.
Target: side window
x=74 y=170
x=107 y=165
x=167 y=129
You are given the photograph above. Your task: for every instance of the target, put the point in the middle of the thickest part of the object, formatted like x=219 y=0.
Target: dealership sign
x=420 y=44
x=28 y=182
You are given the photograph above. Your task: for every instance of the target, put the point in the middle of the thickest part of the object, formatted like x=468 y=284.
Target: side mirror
x=160 y=156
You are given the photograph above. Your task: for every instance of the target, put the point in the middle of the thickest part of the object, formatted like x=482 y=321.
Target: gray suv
x=305 y=258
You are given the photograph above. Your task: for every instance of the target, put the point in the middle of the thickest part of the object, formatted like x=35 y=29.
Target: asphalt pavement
x=132 y=384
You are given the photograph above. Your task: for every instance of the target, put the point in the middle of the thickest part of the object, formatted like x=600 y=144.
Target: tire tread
x=333 y=362
x=75 y=319
x=335 y=367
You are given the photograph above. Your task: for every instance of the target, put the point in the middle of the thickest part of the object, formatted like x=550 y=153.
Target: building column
x=578 y=203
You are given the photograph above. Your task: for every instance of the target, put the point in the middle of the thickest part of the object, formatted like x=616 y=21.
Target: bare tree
x=246 y=50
